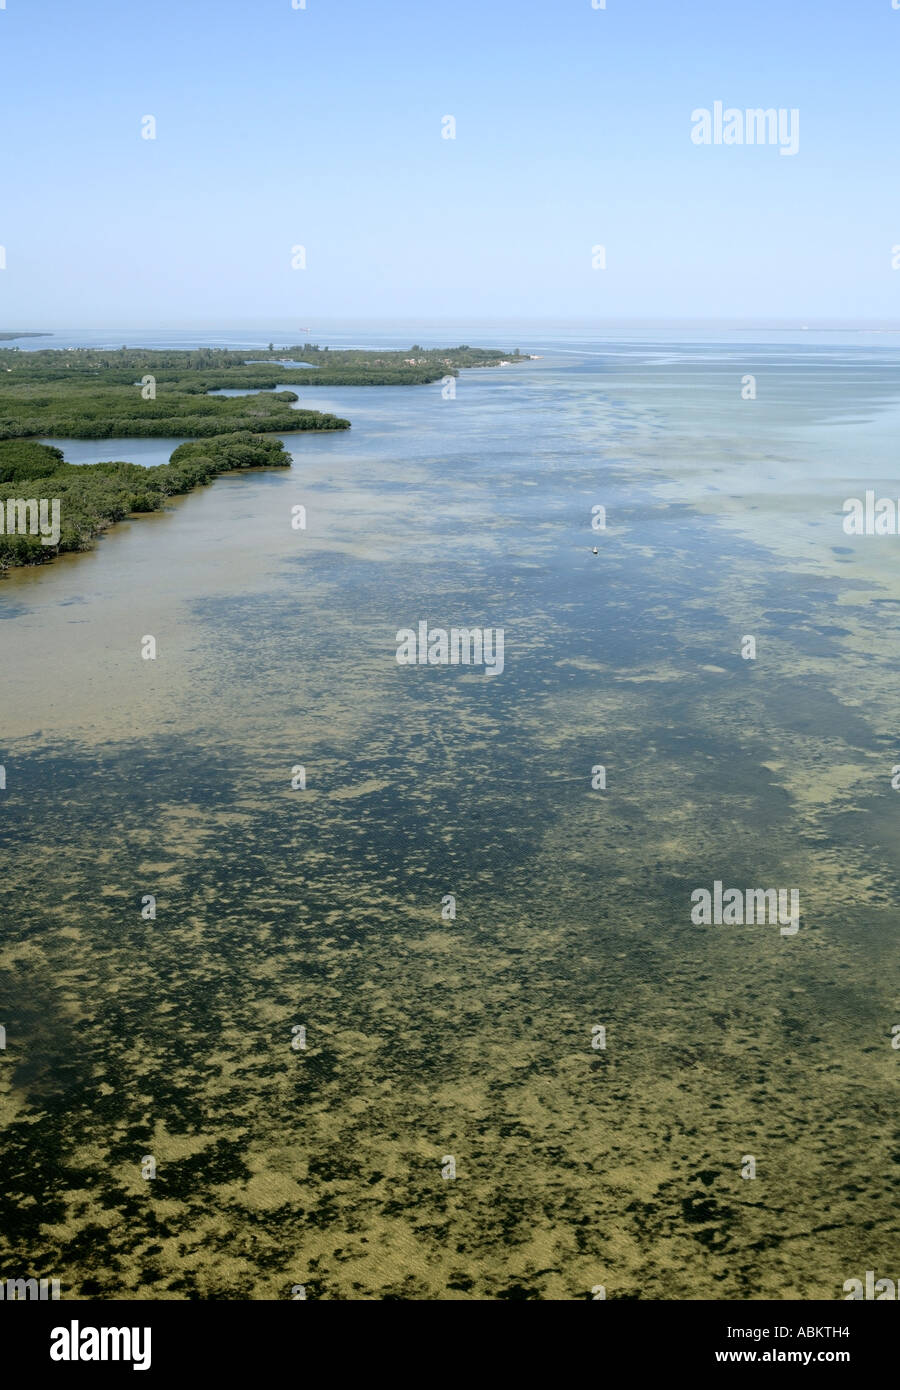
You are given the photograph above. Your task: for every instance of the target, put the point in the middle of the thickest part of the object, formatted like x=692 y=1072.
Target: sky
x=322 y=128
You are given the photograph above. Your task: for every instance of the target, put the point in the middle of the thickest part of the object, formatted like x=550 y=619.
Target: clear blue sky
x=323 y=127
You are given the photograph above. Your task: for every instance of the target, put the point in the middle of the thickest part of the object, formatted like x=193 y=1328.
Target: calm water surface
x=322 y=907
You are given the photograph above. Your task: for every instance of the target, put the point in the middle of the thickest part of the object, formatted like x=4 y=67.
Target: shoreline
x=104 y=494
x=35 y=478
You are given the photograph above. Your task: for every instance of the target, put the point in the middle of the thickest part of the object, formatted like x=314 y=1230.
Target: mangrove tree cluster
x=94 y=495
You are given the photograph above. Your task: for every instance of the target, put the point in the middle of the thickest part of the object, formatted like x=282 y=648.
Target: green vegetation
x=98 y=406
x=93 y=496
x=377 y=367
x=85 y=393
x=77 y=391
x=25 y=458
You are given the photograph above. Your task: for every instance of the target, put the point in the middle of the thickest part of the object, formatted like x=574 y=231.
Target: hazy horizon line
x=771 y=323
